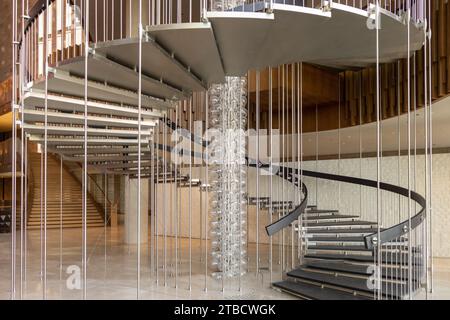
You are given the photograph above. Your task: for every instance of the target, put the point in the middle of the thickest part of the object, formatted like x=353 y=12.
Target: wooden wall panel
x=389 y=75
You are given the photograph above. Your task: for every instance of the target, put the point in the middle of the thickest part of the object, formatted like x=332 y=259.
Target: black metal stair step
x=385 y=258
x=342 y=239
x=341 y=223
x=351 y=283
x=336 y=239
x=311 y=291
x=343 y=231
x=321 y=211
x=329 y=217
x=339 y=248
x=366 y=270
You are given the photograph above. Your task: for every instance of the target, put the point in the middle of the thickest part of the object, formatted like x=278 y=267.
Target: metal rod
x=292 y=156
x=138 y=223
x=86 y=53
x=339 y=141
x=207 y=190
x=190 y=197
x=257 y=168
x=156 y=204
x=271 y=175
x=14 y=151
x=409 y=151
x=21 y=82
x=426 y=157
x=430 y=136
x=282 y=161
x=279 y=209
x=153 y=201
x=47 y=23
x=378 y=206
x=165 y=199
x=302 y=253
x=176 y=199
x=60 y=218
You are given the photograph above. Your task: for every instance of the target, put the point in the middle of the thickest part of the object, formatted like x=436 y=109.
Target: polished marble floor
x=112 y=269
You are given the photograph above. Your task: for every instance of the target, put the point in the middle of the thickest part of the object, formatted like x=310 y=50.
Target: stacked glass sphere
x=227 y=149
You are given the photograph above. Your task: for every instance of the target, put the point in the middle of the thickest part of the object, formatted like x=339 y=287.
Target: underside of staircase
x=71 y=216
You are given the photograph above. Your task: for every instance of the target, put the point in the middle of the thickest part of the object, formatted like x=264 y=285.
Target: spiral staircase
x=182 y=58
x=341 y=258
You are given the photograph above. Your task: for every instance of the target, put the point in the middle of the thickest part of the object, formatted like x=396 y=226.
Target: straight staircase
x=71 y=215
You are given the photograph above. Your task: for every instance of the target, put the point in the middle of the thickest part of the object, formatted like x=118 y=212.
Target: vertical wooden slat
x=63 y=29
x=434 y=45
x=45 y=41
x=441 y=49
x=447 y=30
x=73 y=31
x=54 y=52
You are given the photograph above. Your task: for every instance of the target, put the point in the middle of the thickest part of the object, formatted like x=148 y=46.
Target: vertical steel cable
x=176 y=198
x=165 y=198
x=140 y=35
x=21 y=91
x=283 y=84
x=378 y=251
x=360 y=143
x=292 y=157
x=240 y=198
x=339 y=140
x=247 y=177
x=222 y=244
x=300 y=179
x=60 y=218
x=271 y=173
x=207 y=189
x=14 y=150
x=156 y=228
x=408 y=10
x=86 y=57
x=430 y=136
x=26 y=211
x=278 y=137
x=257 y=169
x=112 y=19
x=105 y=222
x=426 y=154
x=152 y=200
x=190 y=195
x=317 y=156
x=415 y=149
x=41 y=220
x=96 y=20
x=47 y=23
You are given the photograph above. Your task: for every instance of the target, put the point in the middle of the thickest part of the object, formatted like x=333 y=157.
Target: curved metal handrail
x=285 y=221
x=388 y=234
